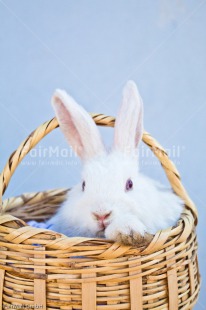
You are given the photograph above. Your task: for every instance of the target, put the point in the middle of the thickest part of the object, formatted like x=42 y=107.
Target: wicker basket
x=42 y=269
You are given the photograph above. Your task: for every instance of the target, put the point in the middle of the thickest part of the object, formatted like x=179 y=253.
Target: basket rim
x=20 y=233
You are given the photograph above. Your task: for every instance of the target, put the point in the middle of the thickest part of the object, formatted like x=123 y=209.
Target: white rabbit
x=113 y=200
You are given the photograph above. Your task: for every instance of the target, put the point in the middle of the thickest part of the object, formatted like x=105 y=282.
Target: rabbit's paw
x=136 y=239
x=130 y=233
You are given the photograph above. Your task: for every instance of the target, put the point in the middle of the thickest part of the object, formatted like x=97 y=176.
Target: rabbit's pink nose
x=102 y=217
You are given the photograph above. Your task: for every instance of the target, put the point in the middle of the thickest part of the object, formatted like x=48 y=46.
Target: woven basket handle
x=102 y=120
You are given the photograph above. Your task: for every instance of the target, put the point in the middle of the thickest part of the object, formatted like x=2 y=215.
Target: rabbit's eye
x=129 y=185
x=83 y=185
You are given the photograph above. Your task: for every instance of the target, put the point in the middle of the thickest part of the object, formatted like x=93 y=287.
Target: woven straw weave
x=42 y=269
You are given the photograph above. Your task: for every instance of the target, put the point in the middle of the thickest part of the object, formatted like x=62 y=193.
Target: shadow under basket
x=42 y=269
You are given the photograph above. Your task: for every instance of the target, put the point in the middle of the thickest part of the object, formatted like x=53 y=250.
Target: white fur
x=129 y=122
x=148 y=207
x=77 y=126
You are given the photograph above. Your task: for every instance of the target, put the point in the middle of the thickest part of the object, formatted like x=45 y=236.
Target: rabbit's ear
x=129 y=122
x=77 y=125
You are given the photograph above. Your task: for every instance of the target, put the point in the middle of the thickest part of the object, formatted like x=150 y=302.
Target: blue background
x=91 y=48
